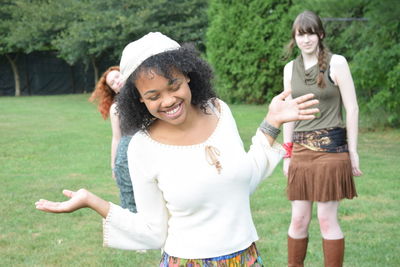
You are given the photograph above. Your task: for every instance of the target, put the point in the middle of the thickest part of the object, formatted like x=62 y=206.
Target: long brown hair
x=103 y=94
x=309 y=22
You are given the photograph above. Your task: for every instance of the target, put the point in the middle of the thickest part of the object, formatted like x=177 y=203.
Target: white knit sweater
x=184 y=204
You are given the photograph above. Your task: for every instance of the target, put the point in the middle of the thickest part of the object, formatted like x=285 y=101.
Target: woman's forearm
x=352 y=128
x=98 y=204
x=274 y=123
x=114 y=146
x=288 y=129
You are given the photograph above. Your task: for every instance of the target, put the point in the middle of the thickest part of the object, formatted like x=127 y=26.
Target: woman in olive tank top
x=321 y=157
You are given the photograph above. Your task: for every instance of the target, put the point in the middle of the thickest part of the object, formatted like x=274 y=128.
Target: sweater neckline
x=202 y=144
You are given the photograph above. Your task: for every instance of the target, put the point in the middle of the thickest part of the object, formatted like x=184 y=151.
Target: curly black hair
x=134 y=114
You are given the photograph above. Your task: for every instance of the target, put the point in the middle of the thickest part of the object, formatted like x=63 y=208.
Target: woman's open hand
x=78 y=200
x=281 y=110
x=355 y=164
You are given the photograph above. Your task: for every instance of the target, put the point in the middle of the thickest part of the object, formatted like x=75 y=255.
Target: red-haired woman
x=104 y=94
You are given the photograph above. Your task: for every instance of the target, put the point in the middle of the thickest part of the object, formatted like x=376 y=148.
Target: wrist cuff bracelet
x=267 y=128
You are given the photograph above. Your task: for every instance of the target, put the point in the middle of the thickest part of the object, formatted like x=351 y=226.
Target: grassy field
x=48 y=143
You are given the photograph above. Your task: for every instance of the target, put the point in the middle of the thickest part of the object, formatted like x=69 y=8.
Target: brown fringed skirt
x=319 y=176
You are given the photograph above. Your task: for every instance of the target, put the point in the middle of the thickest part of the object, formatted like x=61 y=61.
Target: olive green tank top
x=330 y=101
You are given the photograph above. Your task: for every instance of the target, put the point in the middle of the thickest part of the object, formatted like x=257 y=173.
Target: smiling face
x=307 y=42
x=113 y=80
x=168 y=100
x=308 y=32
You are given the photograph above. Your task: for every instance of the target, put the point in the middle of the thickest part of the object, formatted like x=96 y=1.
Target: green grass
x=48 y=143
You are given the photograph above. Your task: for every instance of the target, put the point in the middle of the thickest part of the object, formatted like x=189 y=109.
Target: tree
x=36 y=23
x=7 y=48
x=244 y=44
x=93 y=31
x=100 y=31
x=182 y=20
x=107 y=26
x=32 y=26
x=376 y=66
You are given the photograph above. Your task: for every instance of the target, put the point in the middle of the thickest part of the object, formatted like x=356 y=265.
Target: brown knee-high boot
x=297 y=249
x=333 y=252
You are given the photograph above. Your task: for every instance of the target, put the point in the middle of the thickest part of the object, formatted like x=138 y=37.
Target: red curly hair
x=103 y=94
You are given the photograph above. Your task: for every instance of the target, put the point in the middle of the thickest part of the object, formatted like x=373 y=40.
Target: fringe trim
x=106 y=229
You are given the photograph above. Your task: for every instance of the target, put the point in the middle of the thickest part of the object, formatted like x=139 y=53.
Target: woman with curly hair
x=322 y=153
x=106 y=90
x=192 y=176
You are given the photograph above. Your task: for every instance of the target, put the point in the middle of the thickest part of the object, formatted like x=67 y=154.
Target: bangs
x=308 y=23
x=308 y=28
x=305 y=25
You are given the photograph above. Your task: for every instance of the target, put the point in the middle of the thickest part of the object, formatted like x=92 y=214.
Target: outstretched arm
x=77 y=200
x=263 y=152
x=123 y=229
x=282 y=110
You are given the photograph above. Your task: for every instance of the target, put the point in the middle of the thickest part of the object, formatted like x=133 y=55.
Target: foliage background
x=372 y=47
x=245 y=41
x=242 y=39
x=244 y=44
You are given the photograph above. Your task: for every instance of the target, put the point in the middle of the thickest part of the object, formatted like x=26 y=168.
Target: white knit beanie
x=138 y=51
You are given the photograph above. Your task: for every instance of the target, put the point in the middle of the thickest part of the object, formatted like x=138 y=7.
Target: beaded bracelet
x=267 y=128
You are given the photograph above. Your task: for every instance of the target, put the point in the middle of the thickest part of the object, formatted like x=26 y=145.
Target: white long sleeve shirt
x=184 y=204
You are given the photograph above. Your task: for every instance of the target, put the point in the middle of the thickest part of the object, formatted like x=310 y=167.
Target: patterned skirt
x=122 y=176
x=245 y=258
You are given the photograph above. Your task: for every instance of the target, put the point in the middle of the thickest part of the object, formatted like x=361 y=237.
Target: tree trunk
x=71 y=68
x=16 y=75
x=27 y=80
x=95 y=70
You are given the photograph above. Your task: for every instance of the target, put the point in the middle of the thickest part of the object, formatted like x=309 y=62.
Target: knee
x=300 y=223
x=326 y=223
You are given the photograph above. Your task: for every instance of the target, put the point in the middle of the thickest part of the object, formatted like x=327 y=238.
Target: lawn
x=48 y=143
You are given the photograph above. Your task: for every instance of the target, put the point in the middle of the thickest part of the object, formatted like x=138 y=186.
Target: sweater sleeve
x=263 y=158
x=146 y=229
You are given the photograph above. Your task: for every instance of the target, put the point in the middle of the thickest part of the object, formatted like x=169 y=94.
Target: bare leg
x=333 y=240
x=298 y=233
x=328 y=220
x=301 y=217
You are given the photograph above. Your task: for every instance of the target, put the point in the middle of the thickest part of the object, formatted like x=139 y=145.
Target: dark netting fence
x=42 y=73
